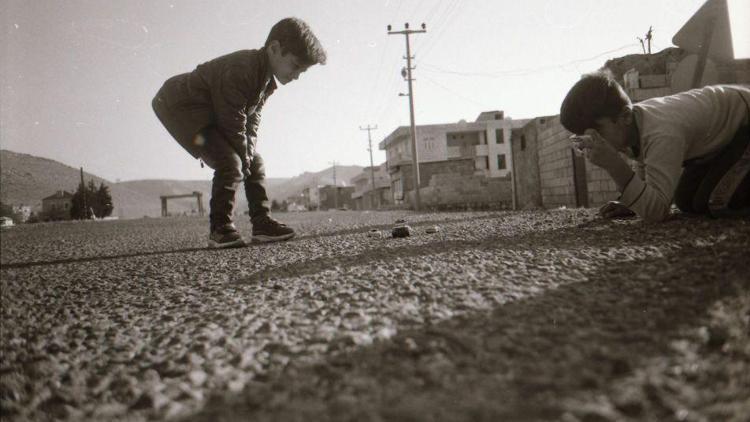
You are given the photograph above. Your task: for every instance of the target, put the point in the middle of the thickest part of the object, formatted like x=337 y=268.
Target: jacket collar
x=269 y=82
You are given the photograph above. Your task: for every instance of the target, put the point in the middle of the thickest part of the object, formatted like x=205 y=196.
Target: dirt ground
x=500 y=316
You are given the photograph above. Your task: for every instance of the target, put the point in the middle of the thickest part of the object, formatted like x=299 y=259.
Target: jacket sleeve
x=252 y=127
x=651 y=197
x=230 y=96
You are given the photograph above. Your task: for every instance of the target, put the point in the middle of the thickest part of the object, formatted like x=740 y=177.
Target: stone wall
x=454 y=184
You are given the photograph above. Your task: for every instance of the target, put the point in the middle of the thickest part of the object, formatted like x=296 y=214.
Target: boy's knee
x=230 y=170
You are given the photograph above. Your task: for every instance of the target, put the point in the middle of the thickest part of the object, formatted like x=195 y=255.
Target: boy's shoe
x=266 y=229
x=225 y=236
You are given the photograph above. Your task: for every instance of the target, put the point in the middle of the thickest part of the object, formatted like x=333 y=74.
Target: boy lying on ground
x=691 y=148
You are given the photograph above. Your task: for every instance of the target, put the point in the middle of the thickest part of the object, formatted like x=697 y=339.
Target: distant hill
x=26 y=179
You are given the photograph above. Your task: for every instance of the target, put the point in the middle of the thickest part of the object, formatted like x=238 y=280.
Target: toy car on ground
x=401 y=229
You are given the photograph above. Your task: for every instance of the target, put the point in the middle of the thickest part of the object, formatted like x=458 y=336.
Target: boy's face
x=614 y=131
x=285 y=67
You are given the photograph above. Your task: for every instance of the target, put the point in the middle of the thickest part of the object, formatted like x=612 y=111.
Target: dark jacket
x=228 y=92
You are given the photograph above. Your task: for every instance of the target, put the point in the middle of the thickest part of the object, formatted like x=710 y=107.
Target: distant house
x=364 y=196
x=311 y=197
x=464 y=163
x=333 y=197
x=57 y=206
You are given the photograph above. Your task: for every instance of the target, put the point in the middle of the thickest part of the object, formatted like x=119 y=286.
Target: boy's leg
x=255 y=189
x=690 y=180
x=721 y=190
x=218 y=154
x=265 y=228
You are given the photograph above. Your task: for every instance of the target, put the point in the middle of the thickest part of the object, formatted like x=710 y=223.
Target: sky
x=77 y=76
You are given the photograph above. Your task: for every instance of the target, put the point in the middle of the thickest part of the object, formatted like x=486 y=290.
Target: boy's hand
x=615 y=209
x=597 y=149
x=246 y=167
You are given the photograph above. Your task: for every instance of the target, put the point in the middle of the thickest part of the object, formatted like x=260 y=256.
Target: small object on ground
x=432 y=229
x=401 y=229
x=375 y=233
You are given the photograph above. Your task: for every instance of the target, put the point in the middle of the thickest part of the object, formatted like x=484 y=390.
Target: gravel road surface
x=499 y=316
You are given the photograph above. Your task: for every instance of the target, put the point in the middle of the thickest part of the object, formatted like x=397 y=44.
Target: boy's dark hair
x=595 y=96
x=295 y=36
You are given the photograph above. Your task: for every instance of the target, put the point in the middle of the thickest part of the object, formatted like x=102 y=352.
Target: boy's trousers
x=700 y=176
x=218 y=154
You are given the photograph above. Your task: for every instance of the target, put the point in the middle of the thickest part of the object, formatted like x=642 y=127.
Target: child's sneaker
x=266 y=229
x=225 y=236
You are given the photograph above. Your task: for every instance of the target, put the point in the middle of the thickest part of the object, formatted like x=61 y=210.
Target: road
x=533 y=315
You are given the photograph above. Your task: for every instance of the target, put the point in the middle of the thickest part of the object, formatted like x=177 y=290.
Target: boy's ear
x=274 y=47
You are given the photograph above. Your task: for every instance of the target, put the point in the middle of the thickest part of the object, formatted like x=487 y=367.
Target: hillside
x=26 y=179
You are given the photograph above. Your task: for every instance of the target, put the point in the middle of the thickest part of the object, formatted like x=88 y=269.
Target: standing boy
x=692 y=148
x=214 y=112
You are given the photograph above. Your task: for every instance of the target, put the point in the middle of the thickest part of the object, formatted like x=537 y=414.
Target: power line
x=439 y=85
x=526 y=71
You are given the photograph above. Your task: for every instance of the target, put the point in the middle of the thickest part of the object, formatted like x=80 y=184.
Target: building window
x=523 y=142
x=487 y=162
x=501 y=162
x=499 y=136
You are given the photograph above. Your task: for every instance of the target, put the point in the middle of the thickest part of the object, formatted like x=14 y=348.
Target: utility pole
x=335 y=187
x=407 y=75
x=372 y=166
x=83 y=197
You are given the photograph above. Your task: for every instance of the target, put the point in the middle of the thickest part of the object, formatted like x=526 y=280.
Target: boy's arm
x=652 y=198
x=229 y=100
x=253 y=122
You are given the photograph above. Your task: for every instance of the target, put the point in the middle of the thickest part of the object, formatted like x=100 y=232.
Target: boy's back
x=695 y=122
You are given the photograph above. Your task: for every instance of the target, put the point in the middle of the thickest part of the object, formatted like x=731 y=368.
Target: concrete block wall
x=601 y=187
x=526 y=164
x=555 y=164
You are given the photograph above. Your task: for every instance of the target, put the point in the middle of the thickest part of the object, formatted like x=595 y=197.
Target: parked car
x=6 y=222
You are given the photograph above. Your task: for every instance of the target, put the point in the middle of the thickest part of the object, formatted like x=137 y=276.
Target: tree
x=284 y=205
x=104 y=201
x=91 y=202
x=274 y=205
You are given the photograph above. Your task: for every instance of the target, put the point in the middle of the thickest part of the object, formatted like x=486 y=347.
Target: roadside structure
x=57 y=206
x=333 y=197
x=464 y=164
x=365 y=198
x=311 y=197
x=23 y=212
